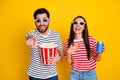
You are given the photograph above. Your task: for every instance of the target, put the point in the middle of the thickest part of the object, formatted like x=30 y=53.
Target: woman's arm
x=98 y=57
x=69 y=58
x=70 y=50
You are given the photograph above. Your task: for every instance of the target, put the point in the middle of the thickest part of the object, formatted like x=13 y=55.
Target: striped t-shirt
x=36 y=68
x=80 y=61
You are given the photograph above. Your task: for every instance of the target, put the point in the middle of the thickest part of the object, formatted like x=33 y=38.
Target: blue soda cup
x=100 y=46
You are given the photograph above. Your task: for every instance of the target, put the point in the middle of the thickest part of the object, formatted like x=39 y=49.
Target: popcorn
x=47 y=51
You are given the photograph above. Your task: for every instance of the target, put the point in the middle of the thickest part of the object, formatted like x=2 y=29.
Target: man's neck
x=45 y=33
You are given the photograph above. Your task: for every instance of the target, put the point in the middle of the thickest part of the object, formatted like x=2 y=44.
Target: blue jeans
x=52 y=78
x=83 y=75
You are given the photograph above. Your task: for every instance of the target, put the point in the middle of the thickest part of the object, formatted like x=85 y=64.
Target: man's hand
x=54 y=60
x=31 y=41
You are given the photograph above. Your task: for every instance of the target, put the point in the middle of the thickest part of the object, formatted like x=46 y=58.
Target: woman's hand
x=72 y=48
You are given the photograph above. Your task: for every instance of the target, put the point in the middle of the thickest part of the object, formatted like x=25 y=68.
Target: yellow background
x=16 y=19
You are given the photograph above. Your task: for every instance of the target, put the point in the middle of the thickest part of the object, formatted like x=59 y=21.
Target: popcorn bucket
x=47 y=50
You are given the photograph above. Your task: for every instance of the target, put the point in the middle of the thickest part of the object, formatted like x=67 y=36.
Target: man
x=42 y=34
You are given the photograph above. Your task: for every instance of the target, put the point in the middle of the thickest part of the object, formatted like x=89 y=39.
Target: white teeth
x=42 y=26
x=77 y=29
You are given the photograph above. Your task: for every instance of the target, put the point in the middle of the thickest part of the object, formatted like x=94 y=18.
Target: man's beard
x=42 y=31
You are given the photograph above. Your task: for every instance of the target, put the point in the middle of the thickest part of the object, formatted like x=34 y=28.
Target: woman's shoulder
x=91 y=38
x=66 y=41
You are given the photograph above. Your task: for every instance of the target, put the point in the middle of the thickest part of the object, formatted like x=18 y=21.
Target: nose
x=41 y=22
x=78 y=25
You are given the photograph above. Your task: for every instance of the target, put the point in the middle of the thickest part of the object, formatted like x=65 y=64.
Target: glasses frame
x=41 y=20
x=78 y=23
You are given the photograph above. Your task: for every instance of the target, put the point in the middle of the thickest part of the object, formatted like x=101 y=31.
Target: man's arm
x=58 y=57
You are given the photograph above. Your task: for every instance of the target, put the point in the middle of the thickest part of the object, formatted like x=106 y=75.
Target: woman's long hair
x=84 y=36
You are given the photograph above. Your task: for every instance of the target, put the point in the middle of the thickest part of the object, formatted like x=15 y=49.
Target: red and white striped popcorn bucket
x=47 y=50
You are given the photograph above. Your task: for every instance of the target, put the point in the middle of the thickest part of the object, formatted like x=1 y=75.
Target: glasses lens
x=38 y=21
x=45 y=20
x=82 y=23
x=75 y=22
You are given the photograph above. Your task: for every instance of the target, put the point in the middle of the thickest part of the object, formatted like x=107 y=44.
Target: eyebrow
x=42 y=18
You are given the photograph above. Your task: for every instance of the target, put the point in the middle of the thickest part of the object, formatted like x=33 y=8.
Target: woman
x=80 y=51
